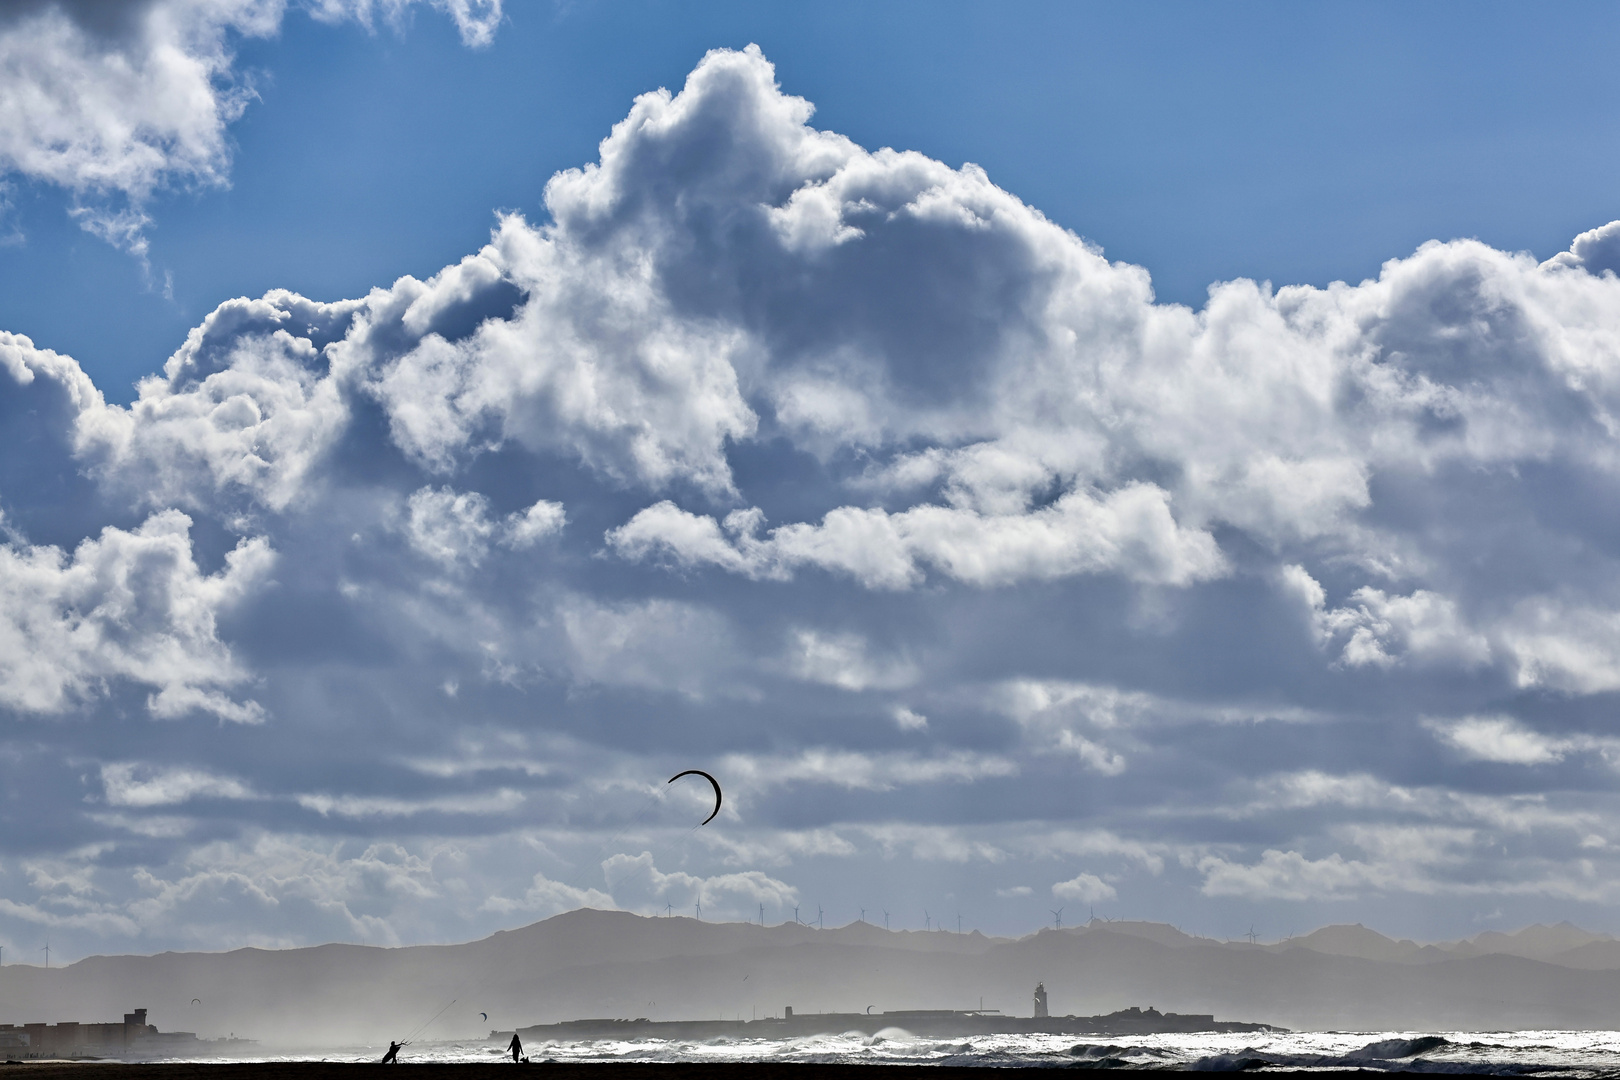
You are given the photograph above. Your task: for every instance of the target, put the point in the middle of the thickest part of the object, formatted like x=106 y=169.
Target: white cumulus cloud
x=1084 y=888
x=131 y=784
x=848 y=661
x=1505 y=740
x=1129 y=532
x=127 y=605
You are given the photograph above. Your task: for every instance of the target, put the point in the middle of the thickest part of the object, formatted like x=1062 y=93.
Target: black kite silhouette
x=710 y=779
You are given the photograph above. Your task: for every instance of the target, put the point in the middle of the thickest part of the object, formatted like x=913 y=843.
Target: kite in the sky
x=710 y=779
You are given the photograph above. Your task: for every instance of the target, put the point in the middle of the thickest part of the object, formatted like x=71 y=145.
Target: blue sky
x=543 y=399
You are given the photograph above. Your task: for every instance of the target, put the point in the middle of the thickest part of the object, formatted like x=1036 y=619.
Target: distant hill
x=1564 y=944
x=614 y=964
x=1536 y=942
x=1598 y=956
x=1358 y=941
x=1163 y=933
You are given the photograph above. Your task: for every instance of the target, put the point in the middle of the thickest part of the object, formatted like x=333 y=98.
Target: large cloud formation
x=980 y=576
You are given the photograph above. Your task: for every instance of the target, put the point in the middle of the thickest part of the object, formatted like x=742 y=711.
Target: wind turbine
x=958 y=922
x=762 y=914
x=821 y=921
x=699 y=906
x=863 y=914
x=47 y=951
x=885 y=918
x=928 y=920
x=795 y=912
x=669 y=909
x=1251 y=934
x=1057 y=918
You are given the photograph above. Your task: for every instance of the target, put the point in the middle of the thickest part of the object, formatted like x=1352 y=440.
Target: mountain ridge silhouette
x=594 y=963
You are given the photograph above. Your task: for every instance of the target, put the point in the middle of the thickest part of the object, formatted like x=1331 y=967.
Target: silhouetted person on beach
x=392 y=1057
x=516 y=1048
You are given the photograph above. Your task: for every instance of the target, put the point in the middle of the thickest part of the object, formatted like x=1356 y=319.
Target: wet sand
x=321 y=1070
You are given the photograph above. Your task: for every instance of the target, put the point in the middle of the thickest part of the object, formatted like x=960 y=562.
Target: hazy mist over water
x=1352 y=997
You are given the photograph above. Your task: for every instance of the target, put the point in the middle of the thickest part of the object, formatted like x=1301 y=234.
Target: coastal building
x=1040 y=1001
x=71 y=1039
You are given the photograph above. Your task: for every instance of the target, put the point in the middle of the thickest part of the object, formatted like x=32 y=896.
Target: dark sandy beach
x=321 y=1070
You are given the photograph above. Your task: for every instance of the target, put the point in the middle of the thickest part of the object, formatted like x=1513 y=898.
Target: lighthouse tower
x=1040 y=1001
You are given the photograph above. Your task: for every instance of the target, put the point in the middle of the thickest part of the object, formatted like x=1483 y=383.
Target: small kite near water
x=710 y=779
x=484 y=1015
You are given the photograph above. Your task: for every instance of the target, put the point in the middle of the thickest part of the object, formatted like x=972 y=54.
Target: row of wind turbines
x=46 y=949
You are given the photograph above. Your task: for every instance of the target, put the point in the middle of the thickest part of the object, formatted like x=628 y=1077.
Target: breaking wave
x=1422 y=1053
x=1570 y=1053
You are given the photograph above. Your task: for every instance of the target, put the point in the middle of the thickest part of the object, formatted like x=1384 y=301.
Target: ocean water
x=1564 y=1053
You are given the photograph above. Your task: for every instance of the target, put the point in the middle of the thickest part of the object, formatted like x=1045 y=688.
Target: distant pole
x=795 y=912
x=958 y=922
x=821 y=919
x=47 y=955
x=762 y=915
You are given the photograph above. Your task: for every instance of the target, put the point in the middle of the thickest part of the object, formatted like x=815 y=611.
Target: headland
x=930 y=1022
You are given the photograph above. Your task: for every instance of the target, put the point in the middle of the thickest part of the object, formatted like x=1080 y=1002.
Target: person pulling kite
x=392 y=1057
